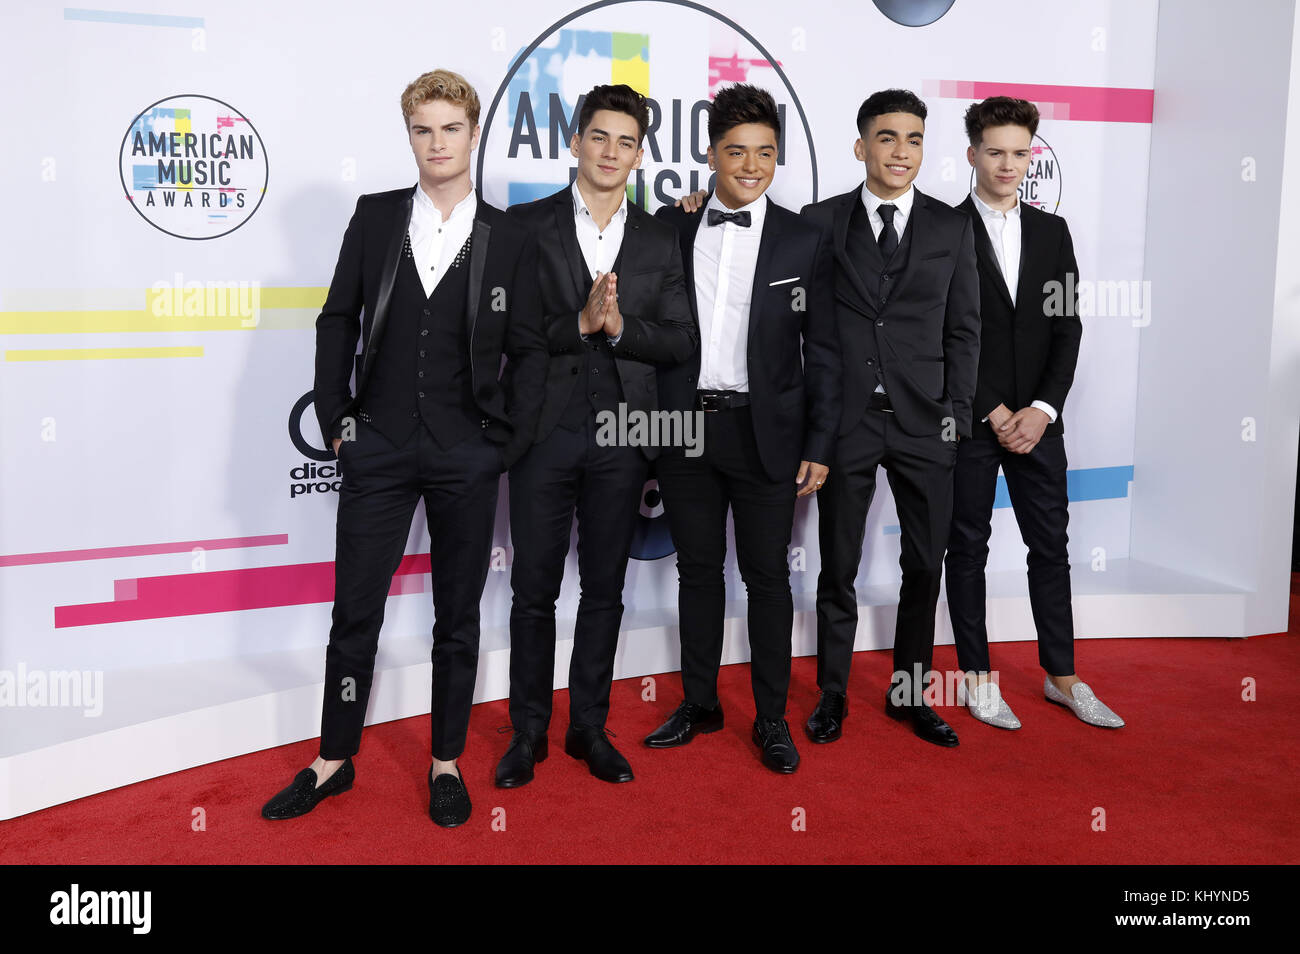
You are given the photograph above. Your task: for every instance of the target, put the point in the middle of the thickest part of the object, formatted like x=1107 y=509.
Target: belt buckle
x=707 y=402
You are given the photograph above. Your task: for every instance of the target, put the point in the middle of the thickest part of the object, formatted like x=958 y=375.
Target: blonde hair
x=441 y=84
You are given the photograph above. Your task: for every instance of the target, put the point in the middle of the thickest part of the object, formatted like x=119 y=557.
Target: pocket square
x=784 y=281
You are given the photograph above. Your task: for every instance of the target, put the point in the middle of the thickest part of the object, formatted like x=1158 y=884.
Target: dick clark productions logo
x=193 y=167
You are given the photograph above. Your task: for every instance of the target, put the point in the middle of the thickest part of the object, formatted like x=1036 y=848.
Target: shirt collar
x=466 y=207
x=987 y=212
x=580 y=207
x=756 y=209
x=871 y=202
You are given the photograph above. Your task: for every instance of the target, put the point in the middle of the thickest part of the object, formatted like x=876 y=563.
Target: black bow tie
x=717 y=217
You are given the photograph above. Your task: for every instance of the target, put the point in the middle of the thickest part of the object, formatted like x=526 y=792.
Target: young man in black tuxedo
x=766 y=380
x=907 y=306
x=1027 y=361
x=448 y=285
x=615 y=310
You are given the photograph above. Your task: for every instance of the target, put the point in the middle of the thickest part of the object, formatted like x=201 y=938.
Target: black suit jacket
x=657 y=325
x=794 y=391
x=1026 y=354
x=501 y=314
x=925 y=339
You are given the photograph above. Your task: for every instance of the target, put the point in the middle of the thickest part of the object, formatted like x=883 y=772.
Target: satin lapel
x=688 y=253
x=568 y=233
x=767 y=244
x=840 y=234
x=478 y=253
x=984 y=255
x=387 y=278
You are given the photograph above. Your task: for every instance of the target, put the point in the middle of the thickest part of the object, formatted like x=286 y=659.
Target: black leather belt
x=720 y=400
x=880 y=402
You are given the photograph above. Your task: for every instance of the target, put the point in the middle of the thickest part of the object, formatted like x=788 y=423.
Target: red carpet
x=1197 y=776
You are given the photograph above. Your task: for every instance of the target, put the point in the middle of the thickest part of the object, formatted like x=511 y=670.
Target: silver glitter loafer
x=1084 y=704
x=986 y=704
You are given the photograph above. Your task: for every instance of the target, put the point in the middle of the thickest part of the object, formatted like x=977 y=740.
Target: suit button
x=869 y=361
x=421 y=354
x=426 y=312
x=485 y=422
x=575 y=370
x=421 y=393
x=595 y=370
x=885 y=278
x=593 y=395
x=416 y=413
x=424 y=331
x=421 y=374
x=880 y=324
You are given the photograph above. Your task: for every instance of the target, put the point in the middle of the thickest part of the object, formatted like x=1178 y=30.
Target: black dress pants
x=920 y=475
x=697 y=492
x=380 y=488
x=1036 y=483
x=569 y=472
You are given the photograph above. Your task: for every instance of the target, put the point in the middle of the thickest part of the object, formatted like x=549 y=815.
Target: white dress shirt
x=435 y=242
x=1004 y=229
x=599 y=249
x=725 y=258
x=872 y=203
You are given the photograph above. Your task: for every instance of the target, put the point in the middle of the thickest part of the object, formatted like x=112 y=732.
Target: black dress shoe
x=684 y=724
x=516 y=766
x=925 y=722
x=448 y=800
x=302 y=795
x=773 y=737
x=603 y=760
x=827 y=719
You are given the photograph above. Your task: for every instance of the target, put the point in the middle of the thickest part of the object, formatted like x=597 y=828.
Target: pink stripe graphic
x=1102 y=104
x=225 y=591
x=143 y=549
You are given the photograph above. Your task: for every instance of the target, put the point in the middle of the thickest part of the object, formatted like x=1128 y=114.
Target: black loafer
x=683 y=725
x=925 y=722
x=773 y=737
x=516 y=766
x=302 y=795
x=603 y=760
x=827 y=720
x=448 y=800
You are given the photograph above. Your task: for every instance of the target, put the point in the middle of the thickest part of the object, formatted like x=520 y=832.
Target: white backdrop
x=121 y=466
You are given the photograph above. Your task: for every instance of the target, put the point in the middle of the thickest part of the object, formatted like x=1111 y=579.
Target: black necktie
x=888 y=238
x=717 y=217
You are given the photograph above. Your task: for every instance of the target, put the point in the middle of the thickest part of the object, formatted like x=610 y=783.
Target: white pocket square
x=784 y=281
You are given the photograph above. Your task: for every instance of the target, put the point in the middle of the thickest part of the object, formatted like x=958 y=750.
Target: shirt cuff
x=614 y=340
x=1046 y=409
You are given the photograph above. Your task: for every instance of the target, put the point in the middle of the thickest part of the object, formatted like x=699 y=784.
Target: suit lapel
x=568 y=233
x=1027 y=227
x=480 y=238
x=984 y=254
x=918 y=224
x=388 y=277
x=767 y=245
x=840 y=228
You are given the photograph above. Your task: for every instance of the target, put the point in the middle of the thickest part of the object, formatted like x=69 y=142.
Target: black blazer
x=925 y=340
x=657 y=325
x=794 y=390
x=503 y=259
x=1026 y=355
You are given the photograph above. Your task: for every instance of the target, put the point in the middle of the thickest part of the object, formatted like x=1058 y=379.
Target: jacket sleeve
x=961 y=332
x=1063 y=351
x=526 y=354
x=337 y=329
x=822 y=359
x=669 y=335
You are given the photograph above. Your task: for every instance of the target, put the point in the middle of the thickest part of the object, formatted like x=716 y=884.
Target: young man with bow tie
x=448 y=286
x=1027 y=361
x=907 y=306
x=766 y=379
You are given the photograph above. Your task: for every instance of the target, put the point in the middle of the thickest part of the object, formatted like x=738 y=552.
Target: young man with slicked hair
x=907 y=306
x=447 y=285
x=1027 y=360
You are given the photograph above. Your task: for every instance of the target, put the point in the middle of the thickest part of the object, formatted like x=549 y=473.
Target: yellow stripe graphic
x=102 y=354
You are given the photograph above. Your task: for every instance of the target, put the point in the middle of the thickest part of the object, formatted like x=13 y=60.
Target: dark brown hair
x=620 y=99
x=1000 y=111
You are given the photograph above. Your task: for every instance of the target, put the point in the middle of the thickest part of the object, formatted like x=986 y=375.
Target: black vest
x=878 y=276
x=598 y=387
x=422 y=371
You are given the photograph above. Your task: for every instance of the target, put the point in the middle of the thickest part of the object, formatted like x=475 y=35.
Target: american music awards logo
x=193 y=167
x=1041 y=186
